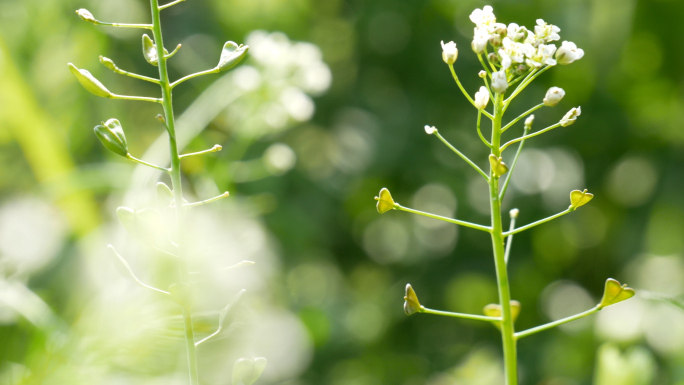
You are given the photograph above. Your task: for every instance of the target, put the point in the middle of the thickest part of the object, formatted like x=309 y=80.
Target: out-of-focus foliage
x=305 y=151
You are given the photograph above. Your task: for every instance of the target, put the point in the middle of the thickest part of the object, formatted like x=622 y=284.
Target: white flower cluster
x=518 y=48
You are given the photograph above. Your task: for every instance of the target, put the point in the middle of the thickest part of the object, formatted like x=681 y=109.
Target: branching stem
x=550 y=325
x=531 y=110
x=441 y=218
x=470 y=162
x=539 y=222
x=461 y=315
x=529 y=136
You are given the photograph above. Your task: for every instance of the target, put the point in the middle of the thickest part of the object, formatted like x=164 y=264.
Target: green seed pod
x=494 y=310
x=231 y=55
x=385 y=201
x=89 y=82
x=150 y=50
x=112 y=137
x=247 y=371
x=579 y=198
x=498 y=166
x=614 y=293
x=107 y=62
x=411 y=303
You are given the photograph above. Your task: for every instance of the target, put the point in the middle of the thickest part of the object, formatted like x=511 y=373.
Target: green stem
x=453 y=74
x=181 y=80
x=131 y=157
x=510 y=170
x=167 y=102
x=539 y=222
x=170 y=4
x=470 y=162
x=555 y=323
x=509 y=241
x=216 y=148
x=479 y=131
x=529 y=136
x=531 y=110
x=136 y=98
x=479 y=56
x=204 y=202
x=441 y=218
x=134 y=75
x=507 y=328
x=461 y=315
x=123 y=25
x=533 y=75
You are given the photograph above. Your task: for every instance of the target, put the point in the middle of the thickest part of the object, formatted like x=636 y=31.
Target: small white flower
x=529 y=121
x=545 y=32
x=516 y=50
x=542 y=56
x=449 y=52
x=481 y=98
x=505 y=59
x=480 y=39
x=484 y=16
x=514 y=213
x=553 y=96
x=568 y=53
x=430 y=130
x=571 y=116
x=482 y=74
x=516 y=32
x=499 y=82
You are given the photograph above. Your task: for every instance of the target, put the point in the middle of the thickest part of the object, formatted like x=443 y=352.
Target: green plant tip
x=231 y=55
x=411 y=303
x=385 y=201
x=89 y=82
x=580 y=198
x=614 y=292
x=112 y=136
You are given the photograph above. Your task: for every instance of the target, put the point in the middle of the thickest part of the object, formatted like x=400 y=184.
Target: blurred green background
x=311 y=132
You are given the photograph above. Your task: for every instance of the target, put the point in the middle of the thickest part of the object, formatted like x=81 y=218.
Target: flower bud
x=247 y=371
x=513 y=213
x=385 y=201
x=568 y=53
x=614 y=293
x=519 y=70
x=553 y=96
x=498 y=166
x=112 y=137
x=579 y=198
x=107 y=62
x=499 y=82
x=85 y=14
x=430 y=130
x=482 y=74
x=496 y=40
x=449 y=52
x=411 y=303
x=528 y=122
x=571 y=116
x=494 y=58
x=89 y=82
x=481 y=98
x=231 y=55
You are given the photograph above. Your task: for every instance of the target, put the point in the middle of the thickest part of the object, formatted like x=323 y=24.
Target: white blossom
x=568 y=53
x=499 y=82
x=529 y=121
x=516 y=32
x=430 y=130
x=571 y=116
x=480 y=39
x=516 y=51
x=482 y=74
x=505 y=59
x=481 y=98
x=545 y=32
x=553 y=96
x=543 y=55
x=483 y=17
x=449 y=52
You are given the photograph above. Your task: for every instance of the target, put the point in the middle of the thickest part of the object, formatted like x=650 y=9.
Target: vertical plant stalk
x=167 y=103
x=507 y=329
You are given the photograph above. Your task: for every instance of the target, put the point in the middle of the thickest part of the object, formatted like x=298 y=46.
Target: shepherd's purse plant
x=512 y=56
x=112 y=136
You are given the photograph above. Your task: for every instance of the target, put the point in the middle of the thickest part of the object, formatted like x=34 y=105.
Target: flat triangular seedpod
x=150 y=50
x=494 y=310
x=411 y=303
x=580 y=198
x=231 y=55
x=498 y=166
x=89 y=82
x=614 y=293
x=385 y=201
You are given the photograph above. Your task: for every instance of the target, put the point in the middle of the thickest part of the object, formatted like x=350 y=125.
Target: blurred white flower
x=571 y=116
x=430 y=130
x=505 y=59
x=449 y=52
x=553 y=96
x=481 y=98
x=516 y=32
x=529 y=121
x=499 y=82
x=568 y=53
x=545 y=32
x=480 y=39
x=542 y=56
x=483 y=17
x=516 y=51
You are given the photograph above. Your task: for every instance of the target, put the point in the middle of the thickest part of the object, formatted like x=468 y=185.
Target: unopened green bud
x=112 y=136
x=161 y=118
x=385 y=201
x=150 y=50
x=482 y=74
x=494 y=58
x=89 y=82
x=247 y=371
x=85 y=14
x=411 y=303
x=579 y=198
x=614 y=293
x=498 y=166
x=231 y=55
x=107 y=62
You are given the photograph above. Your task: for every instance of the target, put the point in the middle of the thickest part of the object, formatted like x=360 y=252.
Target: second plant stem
x=167 y=103
x=507 y=330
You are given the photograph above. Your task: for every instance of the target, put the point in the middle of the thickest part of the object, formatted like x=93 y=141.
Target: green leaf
x=614 y=293
x=498 y=166
x=112 y=137
x=385 y=201
x=580 y=198
x=89 y=82
x=247 y=371
x=231 y=55
x=411 y=303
